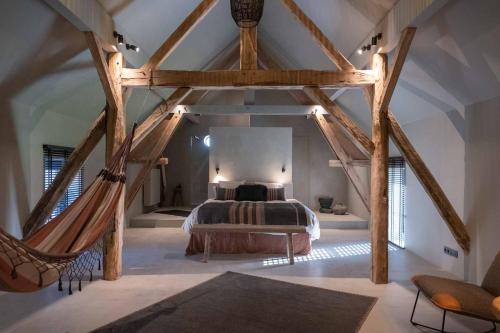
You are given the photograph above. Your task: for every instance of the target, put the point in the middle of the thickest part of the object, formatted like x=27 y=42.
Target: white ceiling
x=454 y=60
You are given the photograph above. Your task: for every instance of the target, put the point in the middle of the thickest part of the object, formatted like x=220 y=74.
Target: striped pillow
x=276 y=194
x=225 y=193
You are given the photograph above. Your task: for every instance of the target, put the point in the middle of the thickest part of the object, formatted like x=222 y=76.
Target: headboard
x=288 y=190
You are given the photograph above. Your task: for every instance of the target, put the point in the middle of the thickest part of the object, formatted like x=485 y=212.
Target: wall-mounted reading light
x=283 y=169
x=217 y=169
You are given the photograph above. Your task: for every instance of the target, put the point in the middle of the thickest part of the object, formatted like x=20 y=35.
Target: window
x=397 y=192
x=54 y=158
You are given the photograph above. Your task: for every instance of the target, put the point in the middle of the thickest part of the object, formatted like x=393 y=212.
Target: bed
x=269 y=212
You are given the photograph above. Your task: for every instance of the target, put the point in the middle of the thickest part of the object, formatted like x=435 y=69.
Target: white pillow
x=231 y=184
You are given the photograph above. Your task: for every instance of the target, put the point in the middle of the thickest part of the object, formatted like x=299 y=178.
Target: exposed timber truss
x=345 y=138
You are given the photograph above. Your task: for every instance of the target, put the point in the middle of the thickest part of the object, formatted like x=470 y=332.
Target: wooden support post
x=248 y=48
x=49 y=199
x=379 y=177
x=115 y=135
x=159 y=140
x=332 y=137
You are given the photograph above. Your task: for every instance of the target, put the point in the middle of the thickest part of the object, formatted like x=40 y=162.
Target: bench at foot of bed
x=209 y=229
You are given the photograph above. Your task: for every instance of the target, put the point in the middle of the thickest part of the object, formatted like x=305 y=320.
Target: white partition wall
x=253 y=154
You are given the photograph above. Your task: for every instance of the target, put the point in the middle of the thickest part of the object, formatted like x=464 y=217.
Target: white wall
x=442 y=148
x=312 y=176
x=482 y=186
x=255 y=154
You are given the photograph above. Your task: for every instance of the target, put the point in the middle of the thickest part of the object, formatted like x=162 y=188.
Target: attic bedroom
x=249 y=166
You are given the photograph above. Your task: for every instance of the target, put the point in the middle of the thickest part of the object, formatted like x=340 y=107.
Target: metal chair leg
x=444 y=318
x=414 y=323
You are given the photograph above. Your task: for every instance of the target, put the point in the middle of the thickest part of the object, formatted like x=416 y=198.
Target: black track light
x=132 y=47
x=118 y=37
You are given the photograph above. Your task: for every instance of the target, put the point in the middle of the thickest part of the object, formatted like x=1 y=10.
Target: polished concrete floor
x=155 y=268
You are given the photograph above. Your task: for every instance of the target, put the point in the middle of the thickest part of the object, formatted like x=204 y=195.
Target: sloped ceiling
x=454 y=60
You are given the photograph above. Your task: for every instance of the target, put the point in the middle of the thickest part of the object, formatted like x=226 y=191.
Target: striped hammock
x=40 y=259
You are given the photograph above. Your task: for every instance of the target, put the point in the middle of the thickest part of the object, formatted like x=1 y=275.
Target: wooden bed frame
x=286 y=230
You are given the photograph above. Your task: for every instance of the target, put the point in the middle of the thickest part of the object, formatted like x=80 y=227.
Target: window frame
x=49 y=154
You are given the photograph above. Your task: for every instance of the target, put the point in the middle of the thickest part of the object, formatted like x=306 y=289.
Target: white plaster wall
x=482 y=190
x=442 y=148
x=254 y=154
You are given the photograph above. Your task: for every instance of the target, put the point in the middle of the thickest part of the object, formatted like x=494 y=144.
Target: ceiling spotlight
x=360 y=51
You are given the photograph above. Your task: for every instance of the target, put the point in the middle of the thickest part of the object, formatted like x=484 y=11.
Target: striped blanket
x=258 y=213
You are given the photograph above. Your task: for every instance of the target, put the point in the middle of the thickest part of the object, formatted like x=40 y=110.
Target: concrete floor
x=155 y=268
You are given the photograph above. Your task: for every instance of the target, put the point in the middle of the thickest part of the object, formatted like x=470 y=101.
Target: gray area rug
x=234 y=302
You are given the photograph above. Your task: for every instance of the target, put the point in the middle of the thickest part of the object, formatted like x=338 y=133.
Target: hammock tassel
x=40 y=280
x=99 y=264
x=13 y=274
x=79 y=285
x=91 y=276
x=70 y=291
x=60 y=285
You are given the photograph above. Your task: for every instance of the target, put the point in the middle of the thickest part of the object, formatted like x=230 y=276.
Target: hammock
x=40 y=259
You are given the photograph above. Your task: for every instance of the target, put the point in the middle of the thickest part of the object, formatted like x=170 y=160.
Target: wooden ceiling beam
x=328 y=48
x=397 y=66
x=158 y=115
x=158 y=141
x=179 y=34
x=268 y=62
x=248 y=48
x=257 y=79
x=322 y=99
x=331 y=135
x=101 y=65
x=88 y=15
x=226 y=59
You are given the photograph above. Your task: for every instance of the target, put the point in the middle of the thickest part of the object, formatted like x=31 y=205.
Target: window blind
x=397 y=192
x=54 y=158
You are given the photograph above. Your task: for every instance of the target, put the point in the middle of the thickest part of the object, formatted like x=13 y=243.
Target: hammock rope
x=70 y=245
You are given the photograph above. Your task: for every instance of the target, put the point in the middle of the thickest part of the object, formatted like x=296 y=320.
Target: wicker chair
x=466 y=299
